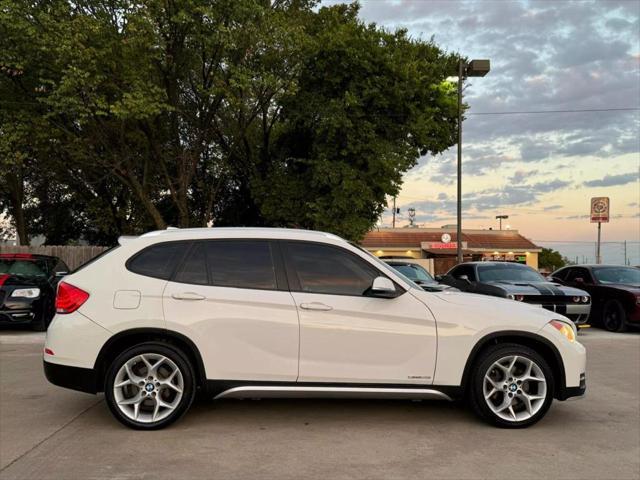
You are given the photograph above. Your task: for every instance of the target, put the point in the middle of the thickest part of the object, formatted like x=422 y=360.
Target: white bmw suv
x=248 y=312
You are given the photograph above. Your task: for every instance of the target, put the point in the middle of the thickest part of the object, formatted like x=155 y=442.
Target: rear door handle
x=187 y=296
x=316 y=306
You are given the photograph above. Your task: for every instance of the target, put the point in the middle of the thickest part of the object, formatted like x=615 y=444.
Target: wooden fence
x=73 y=256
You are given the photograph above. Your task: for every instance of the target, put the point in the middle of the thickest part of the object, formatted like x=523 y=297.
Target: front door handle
x=316 y=306
x=188 y=296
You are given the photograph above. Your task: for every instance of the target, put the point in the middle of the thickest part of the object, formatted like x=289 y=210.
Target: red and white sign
x=600 y=210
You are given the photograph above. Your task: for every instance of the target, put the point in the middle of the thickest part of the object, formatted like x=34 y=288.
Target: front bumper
x=577 y=312
x=75 y=378
x=16 y=317
x=572 y=392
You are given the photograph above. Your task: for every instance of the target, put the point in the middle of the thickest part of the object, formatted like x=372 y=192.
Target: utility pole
x=625 y=252
x=393 y=224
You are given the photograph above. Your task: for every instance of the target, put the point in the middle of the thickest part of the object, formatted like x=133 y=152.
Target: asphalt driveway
x=50 y=433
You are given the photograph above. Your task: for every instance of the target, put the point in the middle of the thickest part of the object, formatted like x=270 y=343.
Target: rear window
x=158 y=261
x=230 y=263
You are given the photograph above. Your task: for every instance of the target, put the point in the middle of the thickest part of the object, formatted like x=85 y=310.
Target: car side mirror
x=579 y=280
x=439 y=278
x=383 y=287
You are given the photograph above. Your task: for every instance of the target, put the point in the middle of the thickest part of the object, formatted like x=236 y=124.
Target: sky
x=540 y=169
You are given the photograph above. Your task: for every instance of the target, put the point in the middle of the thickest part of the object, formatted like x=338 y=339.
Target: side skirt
x=226 y=389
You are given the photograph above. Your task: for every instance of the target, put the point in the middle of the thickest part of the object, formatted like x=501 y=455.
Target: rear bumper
x=74 y=378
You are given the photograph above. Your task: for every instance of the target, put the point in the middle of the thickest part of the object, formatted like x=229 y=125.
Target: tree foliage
x=118 y=117
x=550 y=259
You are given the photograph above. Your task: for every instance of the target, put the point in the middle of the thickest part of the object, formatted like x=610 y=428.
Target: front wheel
x=511 y=386
x=614 y=318
x=150 y=386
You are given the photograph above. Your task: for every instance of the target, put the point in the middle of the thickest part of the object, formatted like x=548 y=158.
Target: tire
x=492 y=373
x=150 y=386
x=614 y=318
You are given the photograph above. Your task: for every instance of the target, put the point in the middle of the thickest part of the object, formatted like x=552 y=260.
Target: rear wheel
x=511 y=386
x=614 y=318
x=150 y=386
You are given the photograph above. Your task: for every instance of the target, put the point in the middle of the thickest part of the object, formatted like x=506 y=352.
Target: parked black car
x=521 y=283
x=28 y=289
x=419 y=275
x=614 y=290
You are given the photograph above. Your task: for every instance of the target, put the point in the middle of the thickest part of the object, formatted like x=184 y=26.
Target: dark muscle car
x=419 y=275
x=28 y=288
x=520 y=283
x=614 y=290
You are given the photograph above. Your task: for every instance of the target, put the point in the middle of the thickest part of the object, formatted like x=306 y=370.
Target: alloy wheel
x=515 y=388
x=148 y=387
x=613 y=317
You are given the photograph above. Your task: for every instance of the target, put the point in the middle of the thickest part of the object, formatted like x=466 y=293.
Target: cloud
x=522 y=175
x=552 y=207
x=613 y=180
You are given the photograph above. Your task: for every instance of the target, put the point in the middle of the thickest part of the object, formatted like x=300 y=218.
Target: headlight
x=517 y=298
x=564 y=329
x=585 y=299
x=26 y=293
x=576 y=299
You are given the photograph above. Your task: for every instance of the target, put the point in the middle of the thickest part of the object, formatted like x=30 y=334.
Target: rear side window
x=157 y=261
x=230 y=263
x=329 y=270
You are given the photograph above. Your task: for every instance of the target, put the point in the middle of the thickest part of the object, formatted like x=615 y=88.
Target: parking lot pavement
x=51 y=433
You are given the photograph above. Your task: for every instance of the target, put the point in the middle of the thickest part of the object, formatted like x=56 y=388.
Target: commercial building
x=435 y=248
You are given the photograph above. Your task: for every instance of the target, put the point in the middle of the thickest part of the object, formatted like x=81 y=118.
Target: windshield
x=414 y=272
x=621 y=275
x=386 y=267
x=508 y=273
x=25 y=267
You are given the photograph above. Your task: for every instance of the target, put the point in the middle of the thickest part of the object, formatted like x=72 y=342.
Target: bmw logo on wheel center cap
x=149 y=387
x=513 y=387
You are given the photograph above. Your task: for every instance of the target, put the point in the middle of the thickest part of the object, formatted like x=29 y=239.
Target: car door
x=229 y=297
x=347 y=336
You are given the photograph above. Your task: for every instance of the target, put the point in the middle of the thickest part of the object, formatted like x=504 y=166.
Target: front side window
x=229 y=263
x=467 y=270
x=329 y=270
x=158 y=260
x=576 y=273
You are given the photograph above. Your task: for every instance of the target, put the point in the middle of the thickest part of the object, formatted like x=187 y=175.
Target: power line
x=583 y=110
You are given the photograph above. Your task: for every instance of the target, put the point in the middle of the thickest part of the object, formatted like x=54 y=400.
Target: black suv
x=28 y=288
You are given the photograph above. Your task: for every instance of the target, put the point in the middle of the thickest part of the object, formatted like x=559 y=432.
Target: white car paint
x=417 y=338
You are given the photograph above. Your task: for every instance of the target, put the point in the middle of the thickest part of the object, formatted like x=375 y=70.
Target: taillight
x=69 y=298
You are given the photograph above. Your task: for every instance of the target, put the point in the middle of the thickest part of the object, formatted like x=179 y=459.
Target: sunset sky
x=540 y=169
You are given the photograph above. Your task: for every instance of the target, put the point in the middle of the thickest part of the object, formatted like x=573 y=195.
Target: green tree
x=193 y=112
x=550 y=259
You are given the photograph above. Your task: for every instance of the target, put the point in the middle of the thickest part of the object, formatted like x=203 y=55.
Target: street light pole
x=475 y=68
x=500 y=218
x=461 y=68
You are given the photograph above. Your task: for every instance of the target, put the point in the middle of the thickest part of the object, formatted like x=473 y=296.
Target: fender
x=515 y=335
